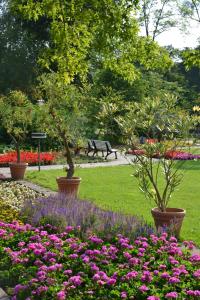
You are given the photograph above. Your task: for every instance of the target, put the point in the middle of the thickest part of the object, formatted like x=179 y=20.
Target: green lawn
x=116 y=189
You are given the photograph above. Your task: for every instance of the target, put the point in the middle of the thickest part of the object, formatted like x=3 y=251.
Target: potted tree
x=158 y=176
x=16 y=117
x=62 y=117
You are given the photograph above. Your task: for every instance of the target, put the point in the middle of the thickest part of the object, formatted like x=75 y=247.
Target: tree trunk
x=70 y=171
x=18 y=153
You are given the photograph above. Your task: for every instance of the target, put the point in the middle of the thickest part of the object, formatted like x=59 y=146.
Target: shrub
x=62 y=266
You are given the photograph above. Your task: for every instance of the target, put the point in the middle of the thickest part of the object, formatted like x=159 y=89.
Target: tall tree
x=157 y=16
x=80 y=31
x=19 y=50
x=190 y=9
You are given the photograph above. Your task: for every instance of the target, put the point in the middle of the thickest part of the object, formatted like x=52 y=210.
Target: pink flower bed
x=49 y=265
x=171 y=154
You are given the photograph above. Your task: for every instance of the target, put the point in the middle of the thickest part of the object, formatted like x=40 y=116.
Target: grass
x=114 y=188
x=80 y=159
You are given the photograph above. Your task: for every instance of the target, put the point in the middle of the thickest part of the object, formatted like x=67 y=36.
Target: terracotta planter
x=69 y=186
x=172 y=218
x=17 y=170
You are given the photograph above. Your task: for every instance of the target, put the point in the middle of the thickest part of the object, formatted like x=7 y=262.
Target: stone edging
x=36 y=188
x=3 y=295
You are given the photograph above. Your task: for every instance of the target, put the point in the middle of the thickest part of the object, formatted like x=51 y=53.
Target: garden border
x=3 y=295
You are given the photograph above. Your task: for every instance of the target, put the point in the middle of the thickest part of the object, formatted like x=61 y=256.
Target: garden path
x=111 y=162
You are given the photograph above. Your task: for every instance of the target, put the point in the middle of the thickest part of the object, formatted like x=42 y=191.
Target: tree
x=104 y=31
x=16 y=117
x=19 y=50
x=190 y=9
x=161 y=119
x=62 y=114
x=157 y=16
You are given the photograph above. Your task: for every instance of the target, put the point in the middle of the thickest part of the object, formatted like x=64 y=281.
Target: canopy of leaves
x=104 y=31
x=16 y=115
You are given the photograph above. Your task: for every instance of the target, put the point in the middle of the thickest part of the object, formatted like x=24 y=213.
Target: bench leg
x=108 y=153
x=115 y=155
x=95 y=152
x=102 y=153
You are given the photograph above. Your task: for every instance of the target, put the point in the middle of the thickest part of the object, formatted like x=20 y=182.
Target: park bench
x=103 y=146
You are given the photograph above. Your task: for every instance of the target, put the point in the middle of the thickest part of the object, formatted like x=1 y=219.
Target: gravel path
x=111 y=162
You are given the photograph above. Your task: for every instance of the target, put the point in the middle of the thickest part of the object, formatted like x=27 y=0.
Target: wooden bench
x=103 y=146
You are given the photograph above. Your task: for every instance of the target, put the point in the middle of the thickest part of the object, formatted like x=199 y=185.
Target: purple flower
x=19 y=287
x=75 y=280
x=173 y=280
x=123 y=295
x=193 y=293
x=61 y=295
x=171 y=295
x=197 y=273
x=143 y=288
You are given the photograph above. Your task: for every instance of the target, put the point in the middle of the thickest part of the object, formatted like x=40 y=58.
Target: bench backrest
x=109 y=148
x=100 y=145
x=90 y=144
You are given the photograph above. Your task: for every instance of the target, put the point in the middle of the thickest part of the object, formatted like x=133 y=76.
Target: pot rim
x=67 y=179
x=18 y=164
x=169 y=210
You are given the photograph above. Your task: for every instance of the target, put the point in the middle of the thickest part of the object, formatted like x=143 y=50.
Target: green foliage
x=104 y=32
x=19 y=49
x=192 y=58
x=161 y=119
x=16 y=116
x=62 y=116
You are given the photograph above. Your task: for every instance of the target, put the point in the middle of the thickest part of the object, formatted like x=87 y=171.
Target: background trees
x=99 y=44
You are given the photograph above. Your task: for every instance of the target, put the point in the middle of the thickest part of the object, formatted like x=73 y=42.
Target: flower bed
x=15 y=194
x=12 y=198
x=29 y=157
x=180 y=155
x=46 y=265
x=171 y=154
x=60 y=211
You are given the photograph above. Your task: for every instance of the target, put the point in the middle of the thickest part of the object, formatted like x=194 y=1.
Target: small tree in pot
x=62 y=116
x=158 y=176
x=16 y=118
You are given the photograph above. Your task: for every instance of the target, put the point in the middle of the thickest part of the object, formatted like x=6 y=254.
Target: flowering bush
x=8 y=214
x=14 y=195
x=29 y=157
x=43 y=265
x=61 y=211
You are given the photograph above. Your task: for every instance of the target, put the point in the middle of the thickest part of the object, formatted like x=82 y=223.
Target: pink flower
x=173 y=280
x=153 y=298
x=143 y=288
x=61 y=295
x=123 y=295
x=197 y=273
x=76 y=280
x=193 y=293
x=111 y=281
x=171 y=295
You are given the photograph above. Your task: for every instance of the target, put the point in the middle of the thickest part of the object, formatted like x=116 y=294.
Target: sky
x=178 y=39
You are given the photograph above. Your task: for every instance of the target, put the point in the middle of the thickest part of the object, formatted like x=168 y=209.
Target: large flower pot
x=69 y=186
x=172 y=218
x=17 y=170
